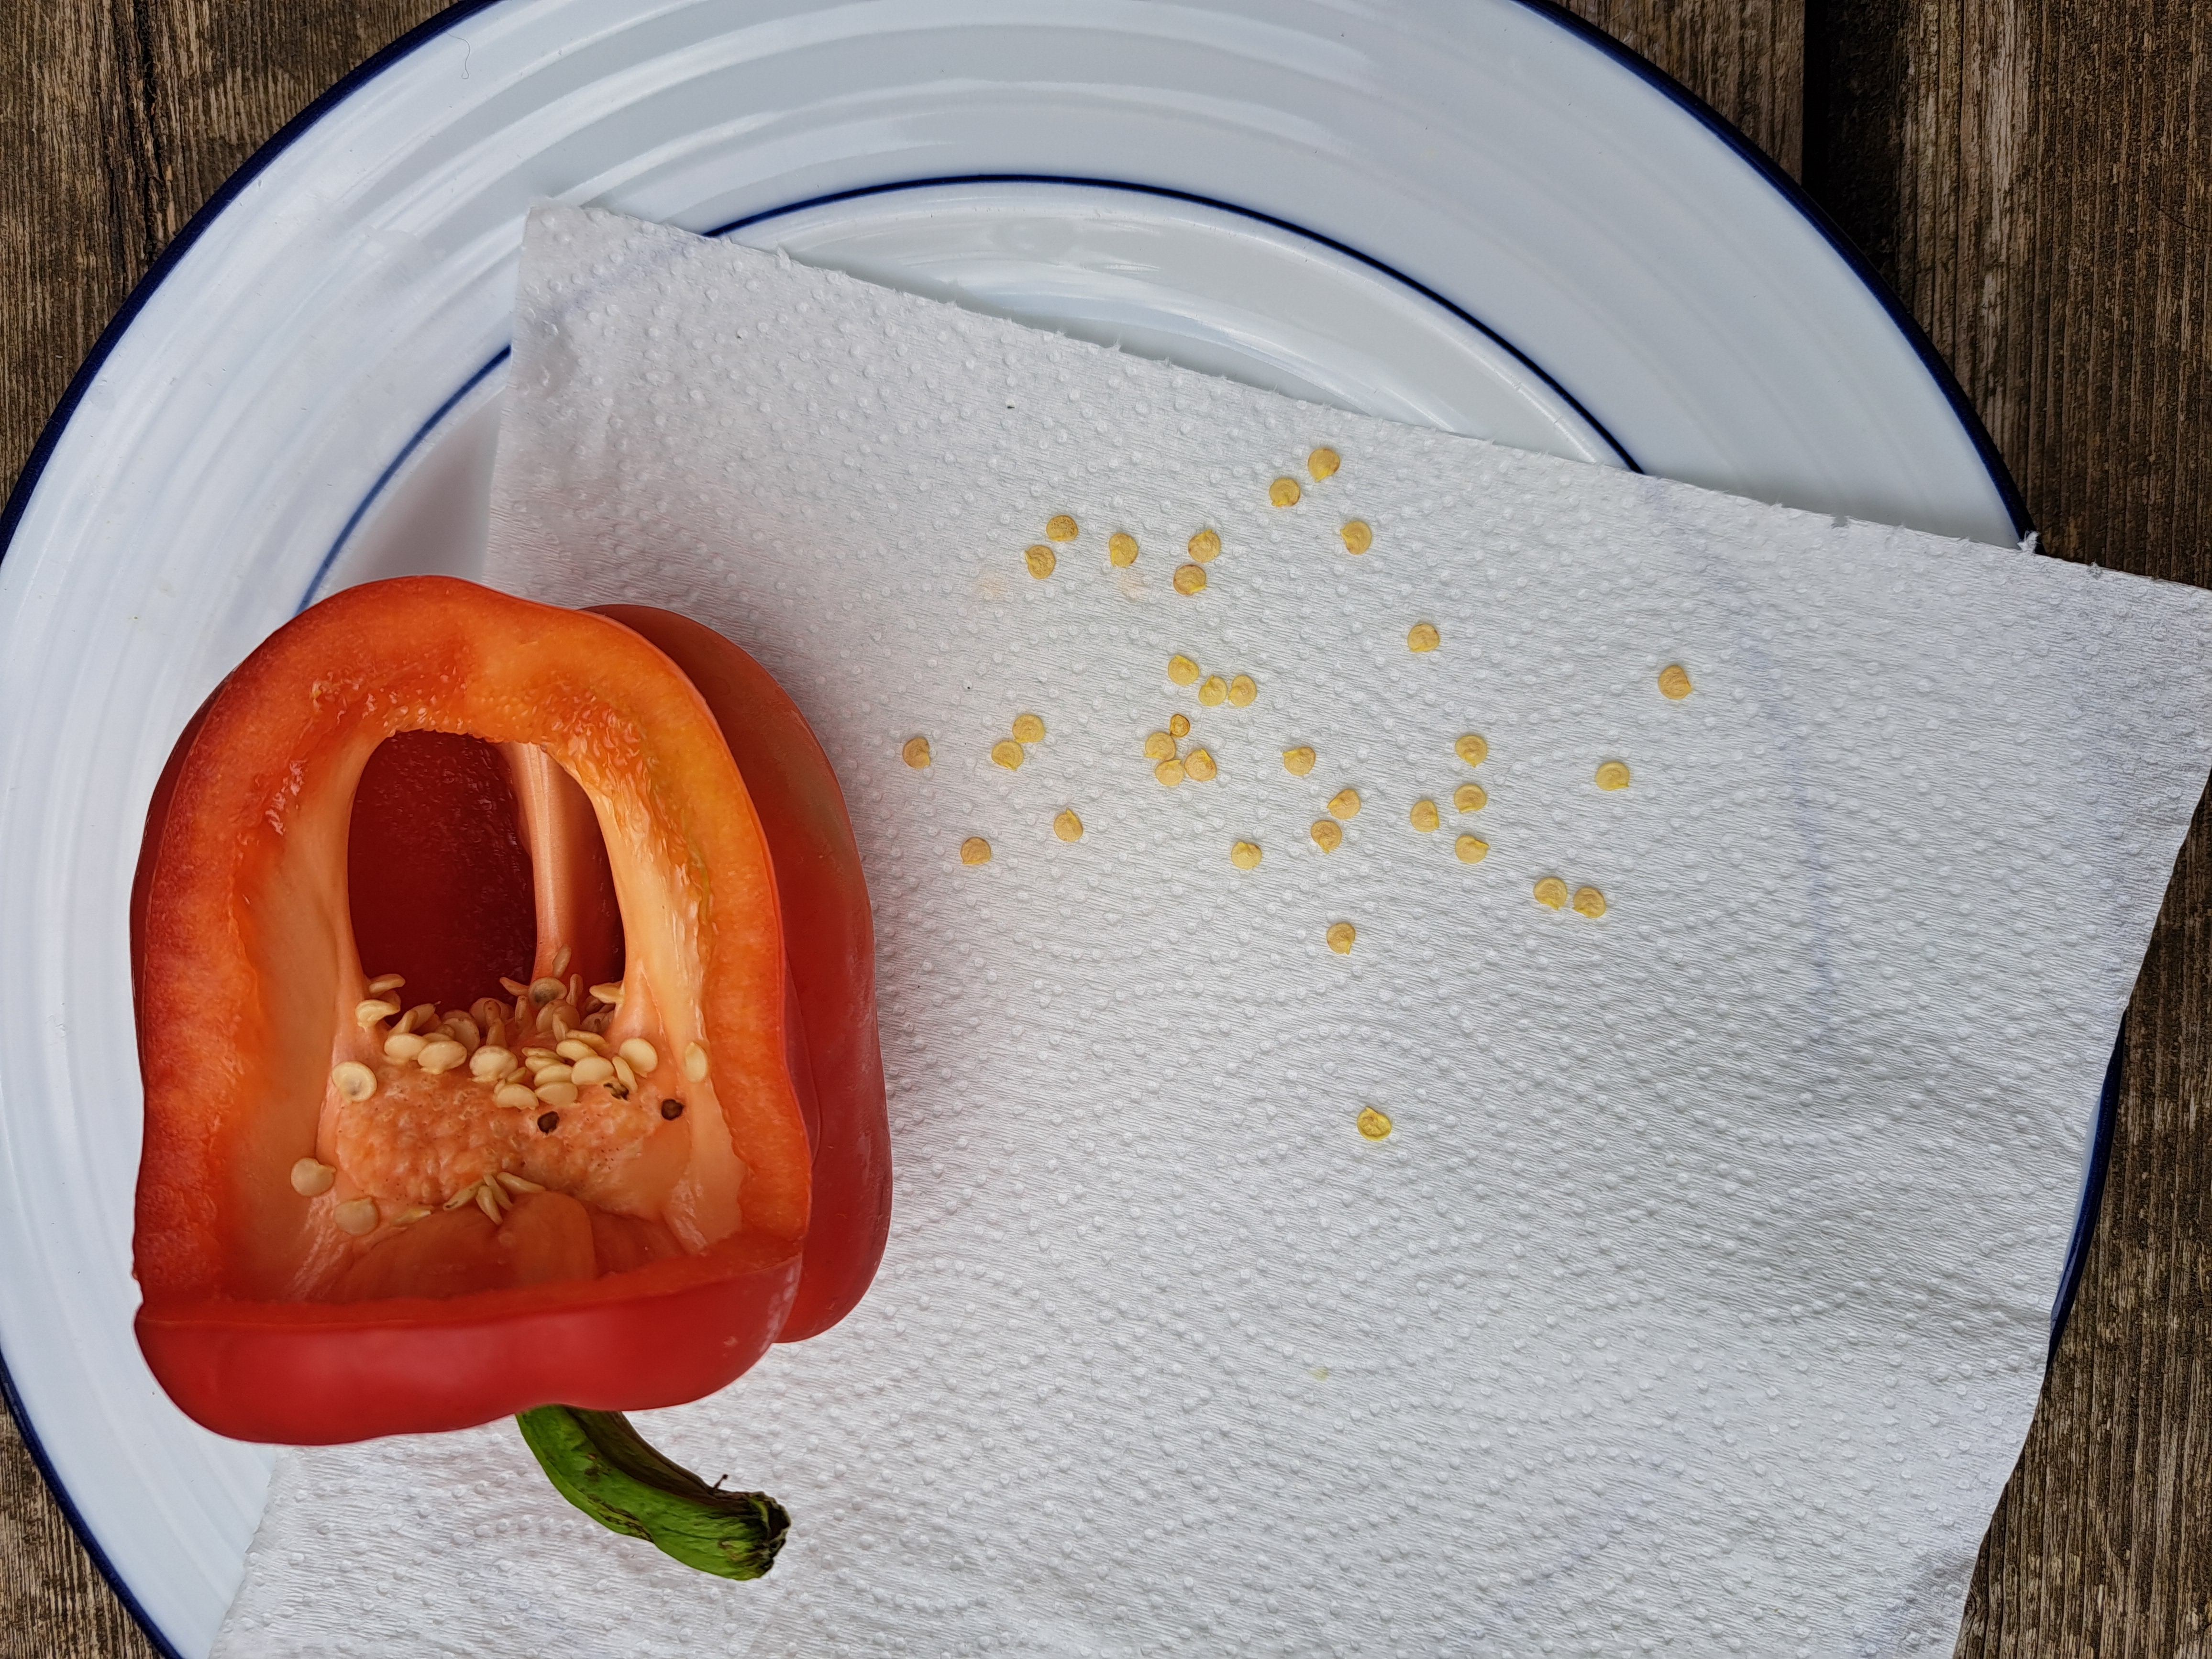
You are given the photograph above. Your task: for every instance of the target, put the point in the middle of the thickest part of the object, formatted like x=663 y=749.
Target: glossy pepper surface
x=361 y=1213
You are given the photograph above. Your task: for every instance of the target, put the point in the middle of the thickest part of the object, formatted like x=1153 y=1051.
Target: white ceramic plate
x=1469 y=213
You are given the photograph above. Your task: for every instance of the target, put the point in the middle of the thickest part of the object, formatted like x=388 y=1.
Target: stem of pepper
x=603 y=1465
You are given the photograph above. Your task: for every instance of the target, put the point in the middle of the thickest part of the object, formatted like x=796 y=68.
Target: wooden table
x=2027 y=174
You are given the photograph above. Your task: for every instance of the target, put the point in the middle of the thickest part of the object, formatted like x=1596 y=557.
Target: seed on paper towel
x=1552 y=893
x=1121 y=548
x=1357 y=538
x=1068 y=826
x=1423 y=636
x=1198 y=767
x=1284 y=492
x=1204 y=546
x=1009 y=754
x=1613 y=775
x=1375 y=1125
x=1423 y=817
x=916 y=753
x=1181 y=670
x=1245 y=855
x=974 y=850
x=1470 y=798
x=1344 y=803
x=1327 y=835
x=1298 y=762
x=1168 y=772
x=1589 y=902
x=1213 y=692
x=1472 y=750
x=1061 y=528
x=1341 y=937
x=1675 y=682
x=1189 y=579
x=1041 y=561
x=1243 y=691
x=1323 y=463
x=1159 y=747
x=1028 y=728
x=1473 y=851
x=1178 y=726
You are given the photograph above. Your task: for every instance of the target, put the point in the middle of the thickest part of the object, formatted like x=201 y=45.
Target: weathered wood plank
x=2033 y=177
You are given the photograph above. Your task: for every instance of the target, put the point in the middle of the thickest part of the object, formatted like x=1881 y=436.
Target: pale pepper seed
x=1470 y=798
x=1344 y=803
x=1041 y=561
x=1245 y=855
x=1213 y=692
x=1198 y=766
x=1028 y=728
x=974 y=850
x=1243 y=691
x=1189 y=579
x=1121 y=548
x=1341 y=936
x=1423 y=817
x=1327 y=834
x=1471 y=849
x=1423 y=636
x=1298 y=762
x=1589 y=902
x=1323 y=463
x=1159 y=746
x=1068 y=826
x=1552 y=893
x=1358 y=537
x=1284 y=492
x=1178 y=726
x=1181 y=670
x=1205 y=547
x=1061 y=528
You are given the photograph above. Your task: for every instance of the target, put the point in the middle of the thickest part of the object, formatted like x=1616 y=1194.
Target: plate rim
x=355 y=80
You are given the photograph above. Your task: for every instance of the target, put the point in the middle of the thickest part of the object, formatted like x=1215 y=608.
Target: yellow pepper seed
x=1423 y=817
x=1675 y=682
x=1589 y=902
x=1121 y=548
x=1243 y=691
x=1028 y=728
x=1159 y=746
x=1061 y=528
x=1470 y=798
x=1284 y=492
x=1344 y=803
x=1375 y=1125
x=1168 y=772
x=1205 y=546
x=695 y=1062
x=1182 y=671
x=1613 y=775
x=1341 y=937
x=1040 y=560
x=1198 y=766
x=1213 y=692
x=1188 y=579
x=1327 y=835
x=1068 y=826
x=1423 y=636
x=1358 y=537
x=1298 y=762
x=1323 y=463
x=916 y=753
x=974 y=850
x=1552 y=893
x=1471 y=850
x=1472 y=750
x=1178 y=726
x=1245 y=855
x=1009 y=754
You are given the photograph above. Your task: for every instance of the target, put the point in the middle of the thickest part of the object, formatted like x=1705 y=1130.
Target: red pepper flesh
x=667 y=1253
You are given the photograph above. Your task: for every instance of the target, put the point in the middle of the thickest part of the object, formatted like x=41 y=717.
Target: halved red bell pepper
x=357 y=1217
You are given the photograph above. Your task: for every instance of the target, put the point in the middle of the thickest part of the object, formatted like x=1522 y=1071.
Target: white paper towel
x=1698 y=1303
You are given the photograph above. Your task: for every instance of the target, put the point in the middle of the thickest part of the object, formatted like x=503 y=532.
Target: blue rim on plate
x=1788 y=188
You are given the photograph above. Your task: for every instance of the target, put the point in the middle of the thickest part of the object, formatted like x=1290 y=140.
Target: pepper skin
x=645 y=1251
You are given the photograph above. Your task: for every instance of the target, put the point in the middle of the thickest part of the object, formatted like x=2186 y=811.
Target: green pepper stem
x=603 y=1465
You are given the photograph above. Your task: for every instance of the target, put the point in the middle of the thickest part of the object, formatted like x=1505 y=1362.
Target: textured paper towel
x=1698 y=1303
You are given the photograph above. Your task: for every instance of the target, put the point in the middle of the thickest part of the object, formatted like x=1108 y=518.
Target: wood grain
x=2031 y=176
x=2034 y=178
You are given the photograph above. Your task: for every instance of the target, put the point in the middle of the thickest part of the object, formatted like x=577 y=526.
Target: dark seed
x=548 y=1122
x=671 y=1110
